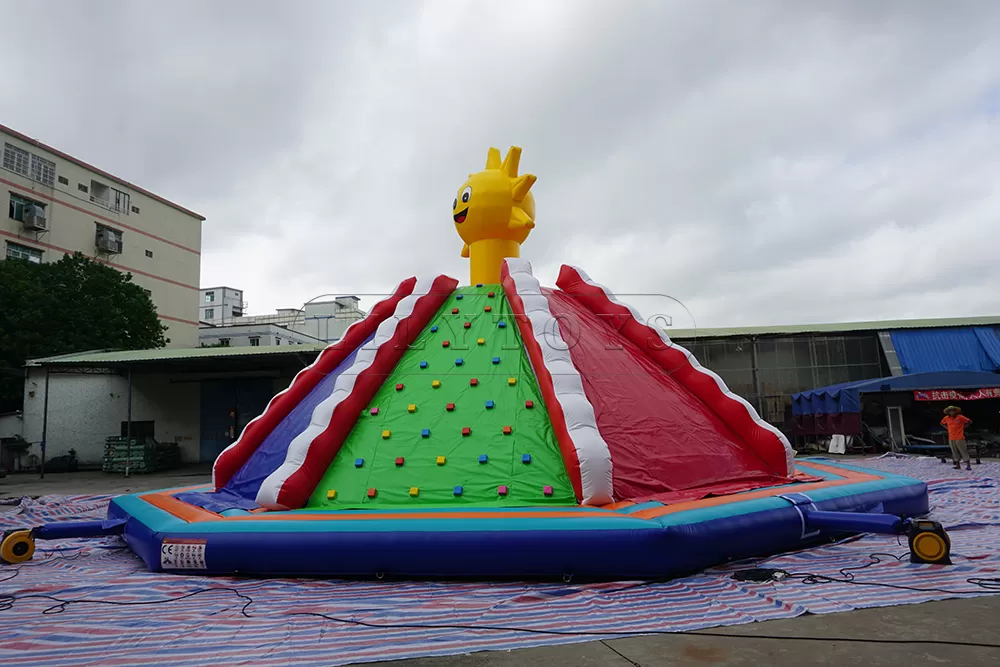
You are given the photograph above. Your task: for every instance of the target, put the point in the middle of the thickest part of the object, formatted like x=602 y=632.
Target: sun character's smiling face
x=488 y=201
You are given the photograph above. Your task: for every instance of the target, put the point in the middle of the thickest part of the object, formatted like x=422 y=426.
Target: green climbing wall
x=394 y=453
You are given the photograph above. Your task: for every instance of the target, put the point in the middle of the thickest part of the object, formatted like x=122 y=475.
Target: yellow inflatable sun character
x=494 y=213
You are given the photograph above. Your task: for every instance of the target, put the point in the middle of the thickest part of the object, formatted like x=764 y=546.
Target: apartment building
x=58 y=204
x=219 y=306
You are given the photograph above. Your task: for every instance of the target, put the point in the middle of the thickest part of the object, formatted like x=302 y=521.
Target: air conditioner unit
x=34 y=218
x=107 y=241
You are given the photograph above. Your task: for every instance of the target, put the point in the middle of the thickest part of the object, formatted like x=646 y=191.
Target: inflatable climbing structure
x=503 y=429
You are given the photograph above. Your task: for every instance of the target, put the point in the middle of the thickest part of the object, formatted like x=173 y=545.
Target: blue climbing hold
x=483 y=458
x=358 y=463
x=423 y=364
x=434 y=329
x=489 y=405
x=458 y=491
x=425 y=433
x=501 y=324
x=525 y=458
x=496 y=360
x=459 y=361
x=458 y=297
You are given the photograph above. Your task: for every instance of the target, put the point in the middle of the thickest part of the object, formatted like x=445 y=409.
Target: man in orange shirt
x=955 y=422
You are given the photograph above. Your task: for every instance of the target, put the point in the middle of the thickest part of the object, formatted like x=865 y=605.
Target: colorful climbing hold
x=491 y=294
x=331 y=494
x=414 y=491
x=507 y=430
x=434 y=329
x=525 y=458
x=459 y=297
x=496 y=360
x=459 y=361
x=501 y=325
x=489 y=405
x=454 y=311
x=425 y=433
x=458 y=491
x=466 y=430
x=445 y=343
x=373 y=411
x=450 y=407
x=529 y=404
x=479 y=284
x=423 y=364
x=435 y=383
x=358 y=463
x=480 y=341
x=372 y=493
x=411 y=408
x=488 y=309
x=473 y=382
x=386 y=433
x=483 y=458
x=547 y=490
x=399 y=460
x=511 y=381
x=502 y=490
x=399 y=387
x=440 y=460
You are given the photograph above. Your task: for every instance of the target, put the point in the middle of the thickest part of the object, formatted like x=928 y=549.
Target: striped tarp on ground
x=209 y=627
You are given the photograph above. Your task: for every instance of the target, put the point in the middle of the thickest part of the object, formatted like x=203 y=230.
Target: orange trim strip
x=176 y=319
x=21 y=239
x=31 y=194
x=165 y=501
x=363 y=516
x=850 y=477
x=179 y=508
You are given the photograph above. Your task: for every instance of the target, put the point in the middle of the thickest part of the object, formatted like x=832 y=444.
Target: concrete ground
x=871 y=631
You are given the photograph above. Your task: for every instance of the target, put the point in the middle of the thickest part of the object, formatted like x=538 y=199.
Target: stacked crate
x=139 y=456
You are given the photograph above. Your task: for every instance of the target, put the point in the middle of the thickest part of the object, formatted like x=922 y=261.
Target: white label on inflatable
x=178 y=554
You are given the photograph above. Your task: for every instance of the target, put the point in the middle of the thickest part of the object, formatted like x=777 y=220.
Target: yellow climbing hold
x=414 y=491
x=481 y=341
x=331 y=494
x=511 y=381
x=385 y=434
x=412 y=407
x=436 y=383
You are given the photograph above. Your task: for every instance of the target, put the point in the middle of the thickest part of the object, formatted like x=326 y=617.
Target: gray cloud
x=766 y=162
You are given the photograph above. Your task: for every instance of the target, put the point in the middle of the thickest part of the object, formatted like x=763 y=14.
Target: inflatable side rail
x=311 y=452
x=584 y=451
x=928 y=540
x=237 y=454
x=768 y=442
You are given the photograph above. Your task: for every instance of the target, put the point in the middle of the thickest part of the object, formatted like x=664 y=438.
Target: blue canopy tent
x=837 y=408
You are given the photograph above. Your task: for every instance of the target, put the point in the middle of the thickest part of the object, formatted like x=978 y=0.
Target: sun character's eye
x=454 y=205
x=466 y=194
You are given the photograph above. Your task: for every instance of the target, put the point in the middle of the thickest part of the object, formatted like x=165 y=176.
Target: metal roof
x=834 y=327
x=110 y=357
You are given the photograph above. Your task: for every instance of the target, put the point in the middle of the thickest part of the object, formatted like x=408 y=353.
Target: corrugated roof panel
x=834 y=327
x=171 y=354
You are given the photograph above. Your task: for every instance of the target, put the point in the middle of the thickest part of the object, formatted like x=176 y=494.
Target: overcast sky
x=761 y=162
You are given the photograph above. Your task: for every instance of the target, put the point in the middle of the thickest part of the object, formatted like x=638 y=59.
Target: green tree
x=73 y=305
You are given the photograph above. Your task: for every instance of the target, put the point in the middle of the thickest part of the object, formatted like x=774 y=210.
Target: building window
x=135 y=209
x=149 y=253
x=16 y=159
x=82 y=188
x=108 y=240
x=121 y=202
x=43 y=171
x=18 y=251
x=224 y=342
x=254 y=341
x=237 y=312
x=21 y=205
x=210 y=313
x=277 y=340
x=209 y=297
x=63 y=180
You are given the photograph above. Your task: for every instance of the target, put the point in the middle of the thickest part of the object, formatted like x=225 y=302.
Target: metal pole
x=45 y=423
x=128 y=426
x=754 y=363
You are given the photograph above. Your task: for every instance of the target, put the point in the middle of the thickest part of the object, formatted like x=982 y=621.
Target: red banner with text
x=955 y=395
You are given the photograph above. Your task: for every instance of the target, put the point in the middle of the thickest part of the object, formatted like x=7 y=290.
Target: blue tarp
x=952 y=349
x=845 y=398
